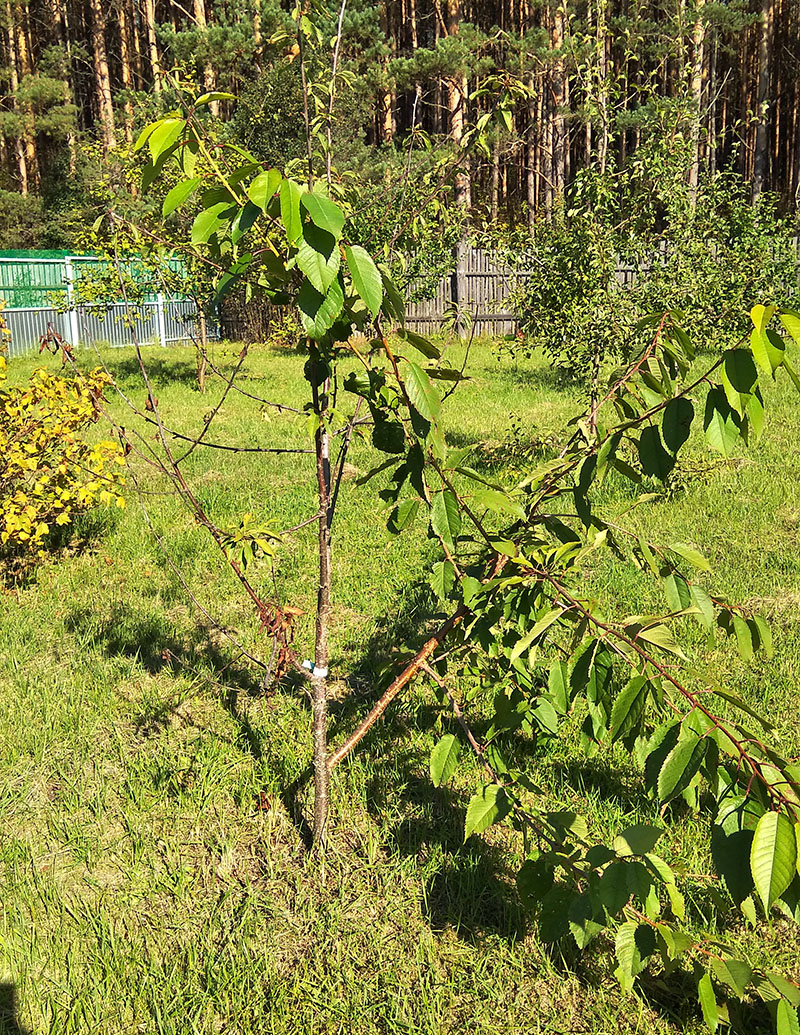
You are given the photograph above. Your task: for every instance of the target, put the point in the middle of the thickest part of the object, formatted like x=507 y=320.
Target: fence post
x=69 y=275
x=162 y=325
x=458 y=286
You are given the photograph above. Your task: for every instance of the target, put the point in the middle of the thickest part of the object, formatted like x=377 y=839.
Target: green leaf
x=444 y=759
x=141 y=140
x=739 y=378
x=214 y=95
x=499 y=502
x=443 y=577
x=688 y=553
x=446 y=517
x=262 y=190
x=773 y=857
x=705 y=606
x=291 y=193
x=677 y=422
x=786 y=1019
x=677 y=591
x=209 y=221
x=744 y=638
x=365 y=277
x=489 y=805
x=681 y=766
x=791 y=321
x=764 y=635
x=402 y=515
x=721 y=429
x=638 y=839
x=424 y=397
x=179 y=194
x=318 y=312
x=164 y=136
x=660 y=636
x=540 y=627
x=654 y=459
x=558 y=686
x=318 y=256
x=392 y=299
x=735 y=974
x=631 y=939
x=427 y=348
x=708 y=1002
x=324 y=213
x=626 y=715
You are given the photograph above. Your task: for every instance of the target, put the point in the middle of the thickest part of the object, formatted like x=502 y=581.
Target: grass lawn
x=153 y=875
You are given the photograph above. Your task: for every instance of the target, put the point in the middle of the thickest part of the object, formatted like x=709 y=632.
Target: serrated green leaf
x=423 y=396
x=324 y=213
x=318 y=312
x=735 y=974
x=680 y=767
x=164 y=135
x=402 y=515
x=626 y=715
x=558 y=686
x=179 y=194
x=499 y=502
x=489 y=805
x=291 y=193
x=209 y=221
x=638 y=839
x=677 y=422
x=744 y=637
x=690 y=554
x=721 y=430
x=791 y=321
x=443 y=577
x=786 y=1022
x=538 y=629
x=739 y=378
x=427 y=348
x=444 y=759
x=262 y=190
x=773 y=857
x=365 y=277
x=318 y=256
x=708 y=1002
x=446 y=517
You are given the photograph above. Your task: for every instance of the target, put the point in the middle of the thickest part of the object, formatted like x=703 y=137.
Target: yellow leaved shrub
x=48 y=473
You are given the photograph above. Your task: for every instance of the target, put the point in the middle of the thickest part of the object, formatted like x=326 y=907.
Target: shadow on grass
x=9 y=1024
x=161 y=371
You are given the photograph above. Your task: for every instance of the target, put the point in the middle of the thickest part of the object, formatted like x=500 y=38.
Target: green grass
x=153 y=873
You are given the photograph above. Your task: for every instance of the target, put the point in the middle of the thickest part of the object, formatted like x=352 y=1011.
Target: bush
x=48 y=473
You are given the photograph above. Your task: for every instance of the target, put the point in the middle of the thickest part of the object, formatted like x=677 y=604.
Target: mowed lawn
x=153 y=872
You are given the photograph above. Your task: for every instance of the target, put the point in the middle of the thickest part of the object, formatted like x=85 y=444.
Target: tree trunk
x=698 y=42
x=19 y=146
x=208 y=69
x=319 y=675
x=761 y=156
x=102 y=80
x=602 y=84
x=530 y=149
x=26 y=69
x=152 y=42
x=457 y=91
x=127 y=71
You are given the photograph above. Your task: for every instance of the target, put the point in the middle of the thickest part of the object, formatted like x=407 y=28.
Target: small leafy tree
x=520 y=638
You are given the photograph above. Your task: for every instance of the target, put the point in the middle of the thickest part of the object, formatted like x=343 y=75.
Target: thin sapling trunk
x=319 y=675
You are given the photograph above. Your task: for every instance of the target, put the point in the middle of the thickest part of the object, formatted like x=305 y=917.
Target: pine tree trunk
x=19 y=145
x=761 y=156
x=126 y=70
x=208 y=69
x=105 y=104
x=698 y=56
x=152 y=42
